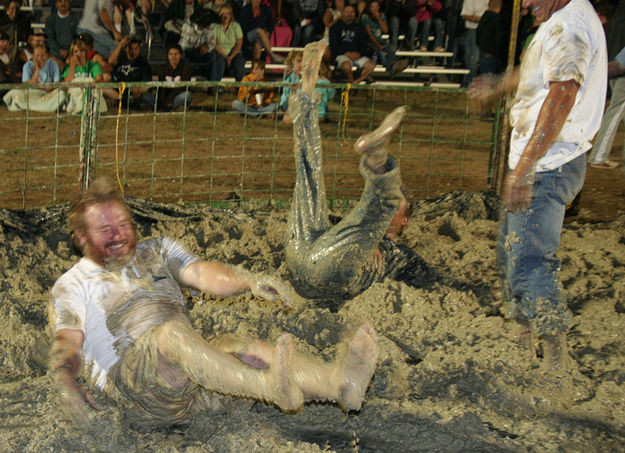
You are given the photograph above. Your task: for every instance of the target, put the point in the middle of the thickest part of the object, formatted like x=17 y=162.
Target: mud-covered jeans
x=325 y=260
x=527 y=246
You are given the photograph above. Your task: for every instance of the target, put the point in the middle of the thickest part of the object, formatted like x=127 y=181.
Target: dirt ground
x=449 y=376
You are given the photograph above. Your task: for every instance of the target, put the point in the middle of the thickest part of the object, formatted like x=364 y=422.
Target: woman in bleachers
x=228 y=52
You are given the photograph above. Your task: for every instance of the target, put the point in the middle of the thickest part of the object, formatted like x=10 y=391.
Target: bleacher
x=425 y=68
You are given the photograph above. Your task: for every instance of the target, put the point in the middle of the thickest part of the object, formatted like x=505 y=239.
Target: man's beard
x=109 y=262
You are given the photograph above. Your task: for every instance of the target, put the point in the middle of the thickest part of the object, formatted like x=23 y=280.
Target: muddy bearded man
x=340 y=261
x=122 y=307
x=560 y=93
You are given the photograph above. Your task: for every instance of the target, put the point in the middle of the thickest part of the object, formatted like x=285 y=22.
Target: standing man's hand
x=517 y=191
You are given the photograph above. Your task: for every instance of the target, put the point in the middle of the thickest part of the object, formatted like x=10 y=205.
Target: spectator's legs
x=610 y=122
x=346 y=67
x=394 y=30
x=365 y=71
x=218 y=67
x=382 y=57
x=471 y=56
x=183 y=99
x=438 y=34
x=412 y=32
x=238 y=66
x=425 y=33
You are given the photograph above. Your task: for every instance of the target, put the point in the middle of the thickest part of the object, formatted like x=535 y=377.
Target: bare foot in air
x=291 y=397
x=357 y=368
x=373 y=144
x=311 y=60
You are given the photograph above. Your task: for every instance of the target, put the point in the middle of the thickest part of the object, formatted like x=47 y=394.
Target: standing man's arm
x=517 y=189
x=105 y=17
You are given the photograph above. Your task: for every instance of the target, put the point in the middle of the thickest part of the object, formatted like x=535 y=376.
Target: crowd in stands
x=212 y=38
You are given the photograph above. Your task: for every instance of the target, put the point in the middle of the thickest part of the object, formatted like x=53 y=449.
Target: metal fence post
x=88 y=126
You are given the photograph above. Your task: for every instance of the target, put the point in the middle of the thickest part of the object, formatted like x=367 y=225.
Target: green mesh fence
x=206 y=152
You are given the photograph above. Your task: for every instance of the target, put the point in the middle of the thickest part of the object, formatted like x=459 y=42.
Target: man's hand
x=269 y=288
x=74 y=400
x=517 y=192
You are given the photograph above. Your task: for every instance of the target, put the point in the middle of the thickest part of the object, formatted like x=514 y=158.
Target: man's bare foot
x=555 y=352
x=311 y=60
x=291 y=397
x=357 y=367
x=373 y=144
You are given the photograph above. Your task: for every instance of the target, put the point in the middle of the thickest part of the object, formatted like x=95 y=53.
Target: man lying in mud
x=343 y=260
x=122 y=307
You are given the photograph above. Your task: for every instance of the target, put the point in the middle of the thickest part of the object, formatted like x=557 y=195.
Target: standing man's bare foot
x=290 y=398
x=357 y=367
x=373 y=144
x=311 y=61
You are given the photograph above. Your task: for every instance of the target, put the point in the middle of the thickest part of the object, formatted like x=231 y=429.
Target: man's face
x=132 y=50
x=109 y=235
x=543 y=9
x=38 y=40
x=399 y=220
x=4 y=46
x=63 y=6
x=12 y=10
x=40 y=56
x=349 y=14
x=174 y=56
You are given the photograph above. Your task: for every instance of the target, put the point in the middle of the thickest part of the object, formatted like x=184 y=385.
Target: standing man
x=615 y=113
x=471 y=12
x=349 y=44
x=560 y=92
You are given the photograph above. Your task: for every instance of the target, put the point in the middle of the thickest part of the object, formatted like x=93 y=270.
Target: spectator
x=426 y=9
x=332 y=14
x=60 y=30
x=308 y=17
x=399 y=13
x=97 y=21
x=491 y=39
x=9 y=70
x=257 y=24
x=174 y=70
x=615 y=113
x=256 y=102
x=81 y=69
x=374 y=23
x=472 y=11
x=130 y=9
x=348 y=42
x=16 y=24
x=198 y=39
x=97 y=57
x=178 y=12
x=34 y=39
x=129 y=66
x=41 y=69
x=228 y=52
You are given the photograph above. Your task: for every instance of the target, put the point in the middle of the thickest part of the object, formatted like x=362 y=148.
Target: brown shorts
x=144 y=397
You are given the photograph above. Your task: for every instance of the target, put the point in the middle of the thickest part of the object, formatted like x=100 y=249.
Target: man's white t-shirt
x=113 y=307
x=473 y=8
x=569 y=46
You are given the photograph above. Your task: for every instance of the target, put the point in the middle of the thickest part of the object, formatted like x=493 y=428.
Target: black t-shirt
x=137 y=70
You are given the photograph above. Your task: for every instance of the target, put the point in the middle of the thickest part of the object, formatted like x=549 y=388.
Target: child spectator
x=80 y=68
x=256 y=102
x=97 y=57
x=424 y=18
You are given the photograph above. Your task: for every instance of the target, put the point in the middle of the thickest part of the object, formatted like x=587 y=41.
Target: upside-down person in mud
x=343 y=260
x=122 y=307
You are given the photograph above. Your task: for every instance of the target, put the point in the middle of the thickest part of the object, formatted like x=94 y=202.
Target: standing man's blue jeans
x=527 y=246
x=471 y=55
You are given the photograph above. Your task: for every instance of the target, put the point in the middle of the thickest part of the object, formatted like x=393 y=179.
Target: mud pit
x=449 y=377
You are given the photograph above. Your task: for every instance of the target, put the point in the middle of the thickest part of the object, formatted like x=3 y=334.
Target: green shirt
x=227 y=39
x=91 y=69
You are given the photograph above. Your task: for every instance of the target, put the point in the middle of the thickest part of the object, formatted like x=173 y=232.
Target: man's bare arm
x=105 y=17
x=551 y=118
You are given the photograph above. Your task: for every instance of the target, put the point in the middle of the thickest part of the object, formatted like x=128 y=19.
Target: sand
x=449 y=376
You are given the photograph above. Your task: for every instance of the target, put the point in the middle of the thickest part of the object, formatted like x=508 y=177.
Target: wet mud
x=450 y=377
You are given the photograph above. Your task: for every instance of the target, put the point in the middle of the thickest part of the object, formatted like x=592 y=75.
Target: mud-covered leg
x=218 y=371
